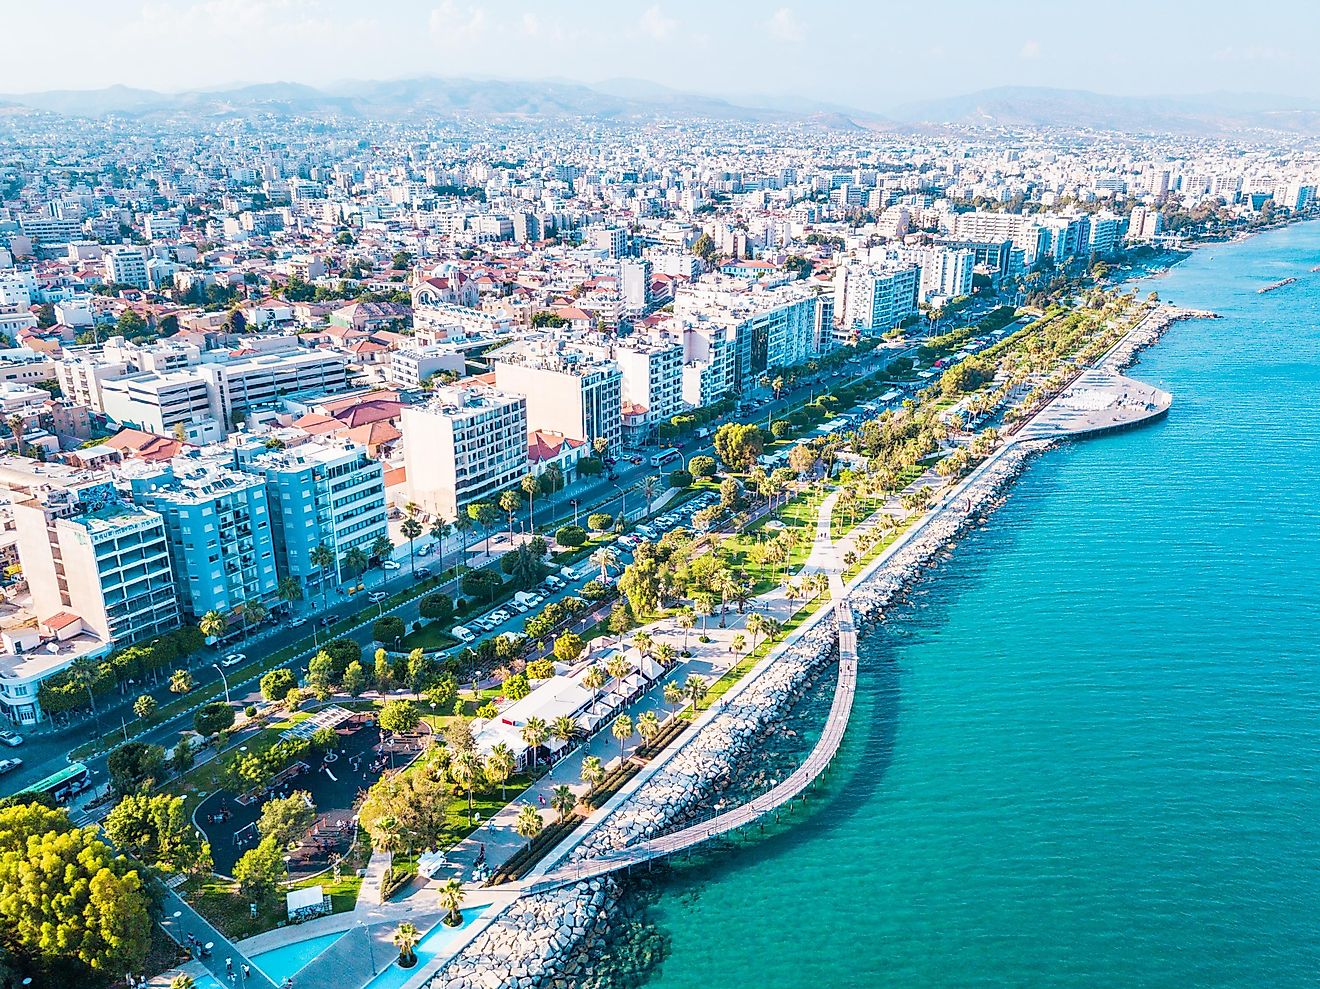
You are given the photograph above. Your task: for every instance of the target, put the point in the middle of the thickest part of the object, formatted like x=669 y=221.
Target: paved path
x=179 y=920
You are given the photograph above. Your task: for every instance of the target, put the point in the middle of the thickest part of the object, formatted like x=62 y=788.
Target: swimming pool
x=286 y=961
x=439 y=940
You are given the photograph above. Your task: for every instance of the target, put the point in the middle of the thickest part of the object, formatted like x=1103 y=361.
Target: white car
x=9 y=765
x=462 y=633
x=500 y=616
x=390 y=565
x=233 y=659
x=298 y=623
x=12 y=739
x=375 y=597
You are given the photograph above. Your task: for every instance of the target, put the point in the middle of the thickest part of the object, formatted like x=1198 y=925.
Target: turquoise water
x=291 y=959
x=1087 y=754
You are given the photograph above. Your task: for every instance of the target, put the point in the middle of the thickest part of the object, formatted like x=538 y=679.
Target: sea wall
x=553 y=939
x=1124 y=353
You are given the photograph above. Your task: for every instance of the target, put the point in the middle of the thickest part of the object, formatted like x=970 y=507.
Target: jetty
x=1273 y=285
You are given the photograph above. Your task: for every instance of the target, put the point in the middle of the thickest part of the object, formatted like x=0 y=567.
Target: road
x=46 y=750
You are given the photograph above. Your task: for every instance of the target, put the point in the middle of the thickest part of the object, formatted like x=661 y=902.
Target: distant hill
x=1215 y=114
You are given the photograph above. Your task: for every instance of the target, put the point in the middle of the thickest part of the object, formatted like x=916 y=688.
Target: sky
x=869 y=54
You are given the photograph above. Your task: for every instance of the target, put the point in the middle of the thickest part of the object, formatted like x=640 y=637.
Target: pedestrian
x=229 y=966
x=247 y=970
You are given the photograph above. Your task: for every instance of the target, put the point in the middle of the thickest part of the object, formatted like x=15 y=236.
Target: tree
x=593 y=680
x=260 y=869
x=450 y=899
x=648 y=726
x=649 y=485
x=685 y=619
x=534 y=733
x=254 y=613
x=405 y=939
x=570 y=536
x=738 y=644
x=600 y=521
x=528 y=823
x=802 y=459
x=531 y=487
x=212 y=625
x=604 y=558
x=622 y=729
x=276 y=684
x=411 y=529
x=593 y=773
x=680 y=479
x=135 y=764
x=145 y=706
x=355 y=679
x=388 y=629
x=696 y=689
x=466 y=769
x=702 y=466
x=286 y=819
x=289 y=590
x=500 y=764
x=510 y=502
x=181 y=681
x=323 y=558
x=484 y=514
x=399 y=716
x=383 y=672
x=738 y=445
x=441 y=694
x=69 y=903
x=481 y=584
x=564 y=729
x=436 y=607
x=516 y=687
x=157 y=831
x=355 y=562
x=563 y=800
x=673 y=694
x=781 y=429
x=214 y=717
x=568 y=647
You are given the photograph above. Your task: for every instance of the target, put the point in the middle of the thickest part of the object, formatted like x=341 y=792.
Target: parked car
x=462 y=633
x=9 y=765
x=328 y=620
x=375 y=597
x=298 y=623
x=390 y=565
x=233 y=659
x=500 y=616
x=11 y=738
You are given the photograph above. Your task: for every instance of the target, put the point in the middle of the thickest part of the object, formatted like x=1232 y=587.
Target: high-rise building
x=126 y=266
x=875 y=299
x=568 y=391
x=463 y=446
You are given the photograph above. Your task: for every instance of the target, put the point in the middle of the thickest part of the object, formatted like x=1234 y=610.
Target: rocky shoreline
x=1124 y=353
x=560 y=938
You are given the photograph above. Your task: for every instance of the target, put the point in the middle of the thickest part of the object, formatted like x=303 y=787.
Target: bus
x=669 y=456
x=68 y=782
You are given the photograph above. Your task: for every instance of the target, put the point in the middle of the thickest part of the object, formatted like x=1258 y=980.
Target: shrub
x=600 y=521
x=571 y=536
x=680 y=479
x=387 y=629
x=436 y=607
x=701 y=466
x=540 y=669
x=276 y=684
x=781 y=429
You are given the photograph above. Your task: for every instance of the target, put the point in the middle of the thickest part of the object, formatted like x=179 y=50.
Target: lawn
x=431 y=636
x=799 y=515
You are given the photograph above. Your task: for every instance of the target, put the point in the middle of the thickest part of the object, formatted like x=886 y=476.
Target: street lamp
x=223 y=679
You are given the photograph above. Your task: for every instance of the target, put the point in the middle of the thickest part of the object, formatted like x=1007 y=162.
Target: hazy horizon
x=831 y=51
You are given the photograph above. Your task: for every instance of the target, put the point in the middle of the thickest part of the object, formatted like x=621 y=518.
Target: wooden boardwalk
x=739 y=817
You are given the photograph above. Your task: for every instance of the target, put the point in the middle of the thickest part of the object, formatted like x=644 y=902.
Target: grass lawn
x=842 y=523
x=431 y=636
x=799 y=515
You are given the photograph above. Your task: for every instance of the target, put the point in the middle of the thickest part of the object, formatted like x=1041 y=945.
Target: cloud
x=656 y=25
x=1030 y=50
x=785 y=25
x=453 y=24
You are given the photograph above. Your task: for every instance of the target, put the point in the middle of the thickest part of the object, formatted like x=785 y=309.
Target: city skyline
x=676 y=44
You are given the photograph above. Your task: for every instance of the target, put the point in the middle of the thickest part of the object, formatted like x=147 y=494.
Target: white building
x=126 y=266
x=875 y=298
x=567 y=389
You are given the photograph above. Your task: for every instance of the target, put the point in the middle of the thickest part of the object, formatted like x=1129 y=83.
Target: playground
x=336 y=780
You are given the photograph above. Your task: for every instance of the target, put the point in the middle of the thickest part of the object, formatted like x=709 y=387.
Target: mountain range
x=624 y=100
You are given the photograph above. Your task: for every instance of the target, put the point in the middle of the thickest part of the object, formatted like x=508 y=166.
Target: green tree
x=158 y=832
x=593 y=773
x=500 y=765
x=212 y=625
x=260 y=869
x=450 y=899
x=406 y=935
x=355 y=679
x=135 y=764
x=510 y=502
x=214 y=717
x=399 y=716
x=571 y=536
x=702 y=466
x=622 y=729
x=181 y=681
x=286 y=819
x=145 y=706
x=388 y=629
x=600 y=521
x=276 y=684
x=563 y=800
x=528 y=823
x=411 y=529
x=738 y=445
x=568 y=647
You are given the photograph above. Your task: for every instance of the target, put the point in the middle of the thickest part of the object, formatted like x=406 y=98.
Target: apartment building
x=126 y=266
x=446 y=321
x=319 y=494
x=88 y=552
x=946 y=273
x=240 y=386
x=163 y=403
x=217 y=521
x=874 y=299
x=464 y=446
x=567 y=390
x=413 y=365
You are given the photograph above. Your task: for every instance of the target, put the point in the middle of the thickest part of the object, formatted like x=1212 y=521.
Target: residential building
x=567 y=390
x=126 y=266
x=873 y=299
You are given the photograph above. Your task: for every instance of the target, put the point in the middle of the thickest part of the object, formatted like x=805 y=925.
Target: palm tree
x=685 y=619
x=381 y=547
x=500 y=765
x=181 y=681
x=254 y=613
x=755 y=625
x=648 y=726
x=528 y=823
x=593 y=680
x=531 y=486
x=411 y=529
x=696 y=689
x=289 y=590
x=465 y=768
x=648 y=490
x=534 y=733
x=604 y=558
x=664 y=654
x=323 y=558
x=450 y=897
x=564 y=728
x=622 y=730
x=212 y=625
x=18 y=426
x=673 y=694
x=738 y=644
x=703 y=605
x=355 y=561
x=618 y=668
x=643 y=641
x=727 y=587
x=510 y=501
x=405 y=939
x=849 y=558
x=563 y=800
x=183 y=982
x=440 y=529
x=792 y=592
x=592 y=772
x=463 y=523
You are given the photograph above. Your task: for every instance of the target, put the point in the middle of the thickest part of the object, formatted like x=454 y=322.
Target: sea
x=1086 y=752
